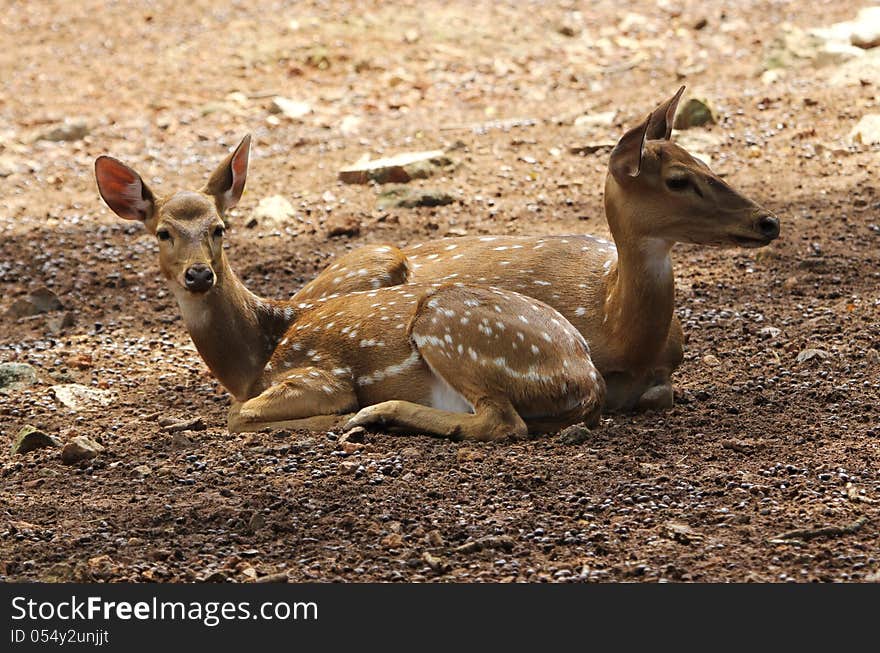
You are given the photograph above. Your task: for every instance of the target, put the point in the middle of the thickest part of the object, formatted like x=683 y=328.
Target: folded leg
x=305 y=398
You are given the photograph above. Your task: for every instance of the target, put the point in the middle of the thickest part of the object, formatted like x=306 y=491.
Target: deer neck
x=234 y=330
x=640 y=297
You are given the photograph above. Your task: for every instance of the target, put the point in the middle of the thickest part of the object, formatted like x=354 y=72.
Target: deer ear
x=123 y=190
x=227 y=182
x=626 y=158
x=660 y=124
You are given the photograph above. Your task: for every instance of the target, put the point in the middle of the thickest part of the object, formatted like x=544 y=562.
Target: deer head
x=188 y=224
x=656 y=189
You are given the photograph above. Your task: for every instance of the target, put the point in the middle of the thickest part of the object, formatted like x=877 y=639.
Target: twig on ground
x=825 y=531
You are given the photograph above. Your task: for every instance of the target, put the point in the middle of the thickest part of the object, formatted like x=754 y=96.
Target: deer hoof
x=365 y=417
x=658 y=397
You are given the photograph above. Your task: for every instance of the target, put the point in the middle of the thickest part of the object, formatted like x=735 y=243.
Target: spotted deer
x=441 y=358
x=619 y=295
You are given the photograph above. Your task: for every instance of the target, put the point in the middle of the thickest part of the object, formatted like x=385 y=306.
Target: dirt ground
x=758 y=444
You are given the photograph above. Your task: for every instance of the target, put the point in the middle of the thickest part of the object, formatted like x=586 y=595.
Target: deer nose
x=199 y=278
x=768 y=225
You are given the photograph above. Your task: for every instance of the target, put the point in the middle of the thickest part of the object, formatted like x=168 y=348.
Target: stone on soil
x=30 y=438
x=274 y=211
x=574 y=434
x=408 y=198
x=79 y=449
x=356 y=435
x=350 y=125
x=78 y=397
x=694 y=113
x=399 y=169
x=41 y=300
x=867 y=130
x=591 y=148
x=175 y=426
x=810 y=354
x=863 y=32
x=16 y=375
x=292 y=109
x=348 y=467
x=180 y=441
x=818 y=48
x=57 y=323
x=69 y=130
x=344 y=226
x=9 y=166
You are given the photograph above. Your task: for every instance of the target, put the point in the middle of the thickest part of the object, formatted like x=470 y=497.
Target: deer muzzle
x=199 y=278
x=763 y=230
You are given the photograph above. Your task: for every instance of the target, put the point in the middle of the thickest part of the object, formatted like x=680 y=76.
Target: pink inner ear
x=122 y=189
x=123 y=184
x=239 y=174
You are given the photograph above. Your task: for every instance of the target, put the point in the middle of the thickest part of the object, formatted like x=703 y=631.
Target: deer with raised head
x=619 y=295
x=440 y=358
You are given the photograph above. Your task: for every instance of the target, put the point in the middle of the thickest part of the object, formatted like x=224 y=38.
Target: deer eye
x=219 y=231
x=678 y=184
x=163 y=234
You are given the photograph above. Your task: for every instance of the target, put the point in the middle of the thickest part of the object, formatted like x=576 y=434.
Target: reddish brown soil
x=758 y=444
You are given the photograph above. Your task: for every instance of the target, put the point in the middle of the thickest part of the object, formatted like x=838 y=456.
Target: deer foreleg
x=306 y=398
x=490 y=421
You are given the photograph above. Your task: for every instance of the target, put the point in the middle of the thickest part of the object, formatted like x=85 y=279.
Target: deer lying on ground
x=441 y=358
x=619 y=295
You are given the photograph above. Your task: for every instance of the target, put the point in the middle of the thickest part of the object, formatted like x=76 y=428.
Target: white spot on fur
x=391 y=370
x=421 y=341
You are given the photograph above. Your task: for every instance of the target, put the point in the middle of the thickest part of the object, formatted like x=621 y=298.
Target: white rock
x=769 y=77
x=810 y=354
x=867 y=130
x=293 y=109
x=273 y=211
x=858 y=72
x=818 y=47
x=863 y=32
x=8 y=166
x=350 y=125
x=395 y=169
x=78 y=397
x=770 y=332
